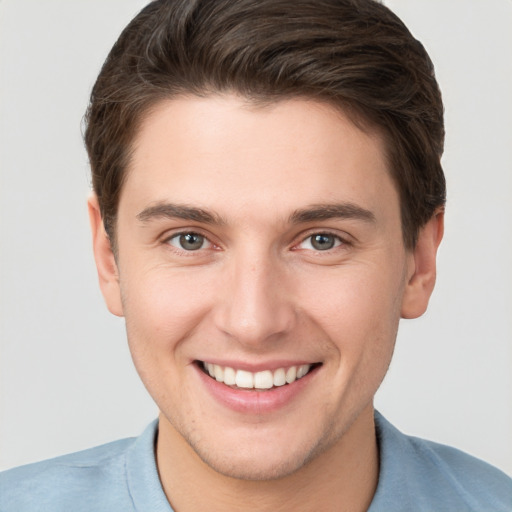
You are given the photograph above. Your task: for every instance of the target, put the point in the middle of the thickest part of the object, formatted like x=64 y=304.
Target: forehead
x=226 y=152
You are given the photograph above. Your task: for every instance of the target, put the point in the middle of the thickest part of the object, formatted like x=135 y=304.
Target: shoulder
x=432 y=476
x=462 y=477
x=79 y=481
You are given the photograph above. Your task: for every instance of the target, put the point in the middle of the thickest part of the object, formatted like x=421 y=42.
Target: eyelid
x=177 y=236
x=169 y=235
x=344 y=239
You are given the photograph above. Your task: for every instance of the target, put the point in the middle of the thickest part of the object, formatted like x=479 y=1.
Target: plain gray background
x=66 y=379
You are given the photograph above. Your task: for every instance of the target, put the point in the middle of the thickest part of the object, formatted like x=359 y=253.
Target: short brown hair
x=354 y=54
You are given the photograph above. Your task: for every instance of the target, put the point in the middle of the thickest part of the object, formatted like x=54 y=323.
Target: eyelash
x=177 y=236
x=338 y=241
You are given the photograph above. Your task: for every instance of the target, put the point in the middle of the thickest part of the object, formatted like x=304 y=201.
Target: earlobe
x=422 y=268
x=106 y=264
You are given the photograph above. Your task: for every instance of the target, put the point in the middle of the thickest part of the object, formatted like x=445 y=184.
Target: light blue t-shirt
x=415 y=475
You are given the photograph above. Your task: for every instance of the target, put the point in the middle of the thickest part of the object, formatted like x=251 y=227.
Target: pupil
x=191 y=241
x=322 y=242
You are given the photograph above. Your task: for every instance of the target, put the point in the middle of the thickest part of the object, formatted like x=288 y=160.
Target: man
x=268 y=203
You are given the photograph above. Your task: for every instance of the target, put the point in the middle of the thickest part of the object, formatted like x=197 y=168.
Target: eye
x=189 y=241
x=321 y=242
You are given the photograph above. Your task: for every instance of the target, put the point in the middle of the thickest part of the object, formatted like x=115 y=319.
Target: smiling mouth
x=262 y=380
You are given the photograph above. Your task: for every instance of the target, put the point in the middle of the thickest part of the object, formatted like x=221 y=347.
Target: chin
x=257 y=459
x=255 y=467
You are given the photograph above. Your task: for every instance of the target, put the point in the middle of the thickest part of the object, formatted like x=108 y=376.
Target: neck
x=343 y=477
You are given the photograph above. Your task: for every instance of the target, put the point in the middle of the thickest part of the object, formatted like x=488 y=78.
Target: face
x=262 y=273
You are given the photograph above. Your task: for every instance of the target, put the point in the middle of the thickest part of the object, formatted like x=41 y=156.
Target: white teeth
x=302 y=370
x=279 y=377
x=244 y=379
x=218 y=373
x=229 y=376
x=291 y=374
x=265 y=379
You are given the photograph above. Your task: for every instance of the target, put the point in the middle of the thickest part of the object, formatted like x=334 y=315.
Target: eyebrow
x=332 y=211
x=178 y=211
x=310 y=214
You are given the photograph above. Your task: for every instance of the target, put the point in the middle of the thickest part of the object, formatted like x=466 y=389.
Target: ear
x=106 y=265
x=421 y=276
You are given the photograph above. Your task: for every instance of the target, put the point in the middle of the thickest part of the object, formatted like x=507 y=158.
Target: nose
x=255 y=304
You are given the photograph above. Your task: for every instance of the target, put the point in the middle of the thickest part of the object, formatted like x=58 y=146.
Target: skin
x=257 y=292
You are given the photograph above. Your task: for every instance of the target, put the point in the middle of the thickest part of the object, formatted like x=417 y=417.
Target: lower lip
x=252 y=401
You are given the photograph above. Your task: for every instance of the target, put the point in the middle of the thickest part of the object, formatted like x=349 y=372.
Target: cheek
x=352 y=301
x=162 y=308
x=161 y=312
x=359 y=310
x=165 y=298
